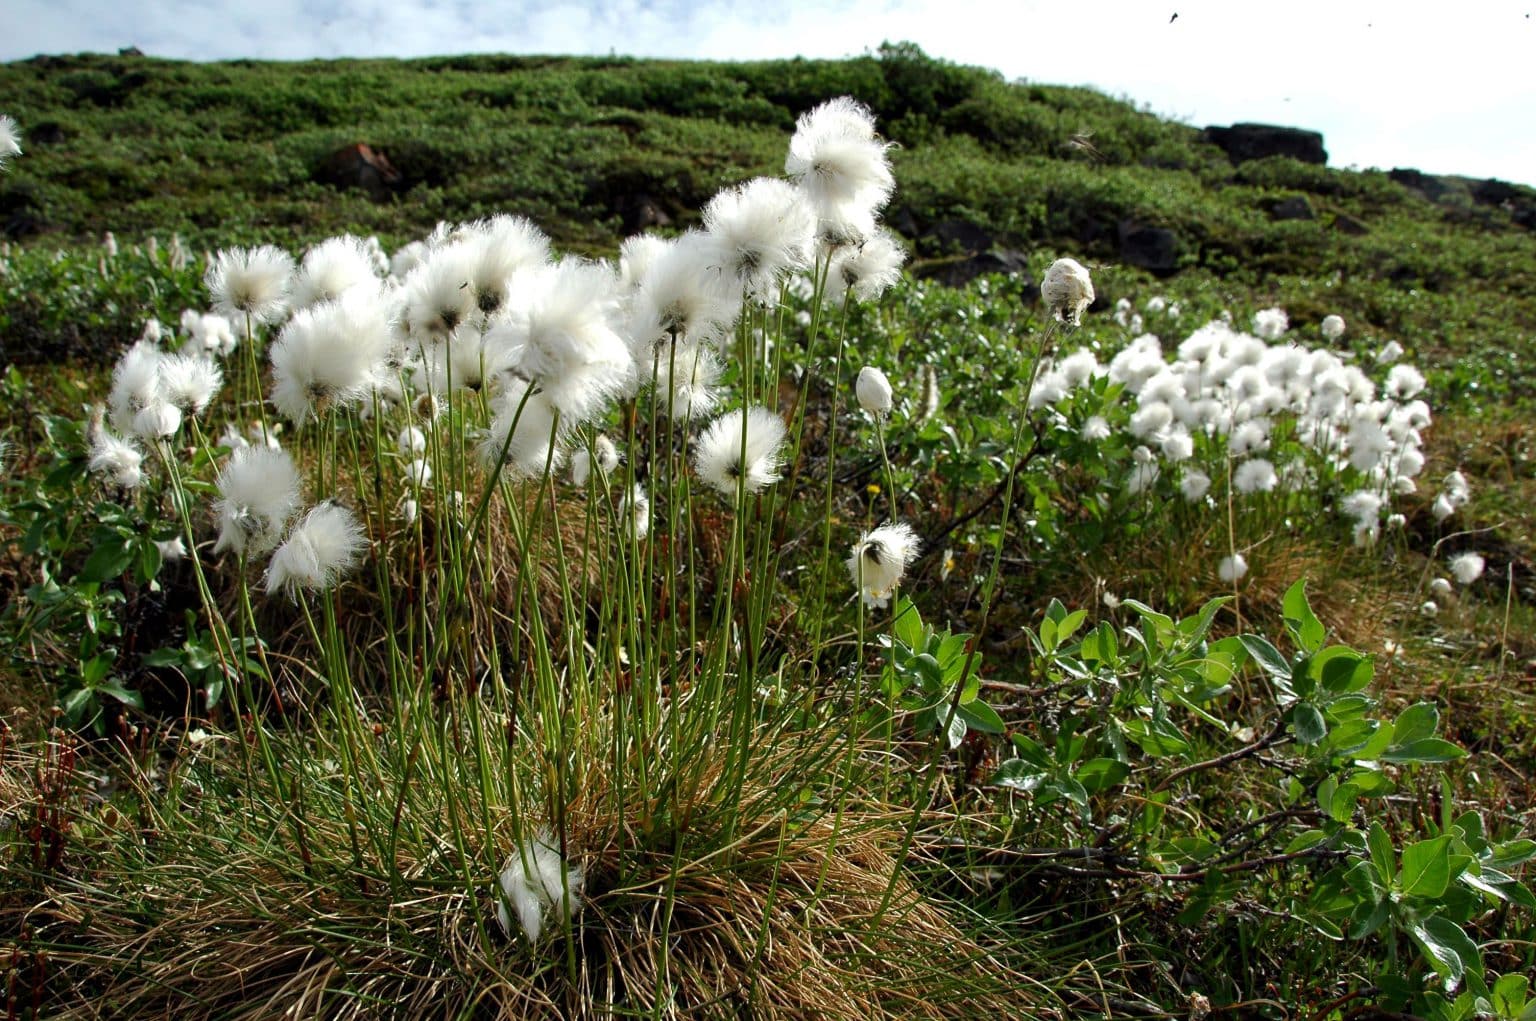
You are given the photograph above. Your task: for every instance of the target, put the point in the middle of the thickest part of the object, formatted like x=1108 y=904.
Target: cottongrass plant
x=497 y=698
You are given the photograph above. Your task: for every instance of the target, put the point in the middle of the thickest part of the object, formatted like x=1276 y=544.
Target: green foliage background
x=233 y=152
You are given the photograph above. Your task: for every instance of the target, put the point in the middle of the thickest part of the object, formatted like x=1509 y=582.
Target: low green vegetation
x=1173 y=663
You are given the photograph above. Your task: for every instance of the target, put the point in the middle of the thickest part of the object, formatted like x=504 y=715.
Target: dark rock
x=130 y=51
x=1493 y=192
x=641 y=212
x=960 y=235
x=1431 y=187
x=1243 y=142
x=361 y=166
x=960 y=271
x=1150 y=248
x=1346 y=224
x=22 y=211
x=901 y=220
x=1293 y=207
x=45 y=133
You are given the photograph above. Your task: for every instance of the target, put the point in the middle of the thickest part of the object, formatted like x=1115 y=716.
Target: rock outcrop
x=1244 y=142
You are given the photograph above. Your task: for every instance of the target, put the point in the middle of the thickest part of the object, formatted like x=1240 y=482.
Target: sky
x=1444 y=87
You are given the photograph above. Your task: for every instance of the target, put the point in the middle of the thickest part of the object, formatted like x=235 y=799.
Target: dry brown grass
x=783 y=920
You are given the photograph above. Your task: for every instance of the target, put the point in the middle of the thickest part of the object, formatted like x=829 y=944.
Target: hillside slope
x=593 y=149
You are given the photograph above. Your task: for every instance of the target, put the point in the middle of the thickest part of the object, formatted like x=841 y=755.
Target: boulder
x=1346 y=224
x=1243 y=142
x=1292 y=207
x=1431 y=187
x=961 y=236
x=361 y=166
x=960 y=271
x=1494 y=192
x=640 y=212
x=1150 y=248
x=45 y=133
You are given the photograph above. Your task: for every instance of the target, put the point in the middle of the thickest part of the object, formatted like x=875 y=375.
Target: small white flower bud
x=874 y=391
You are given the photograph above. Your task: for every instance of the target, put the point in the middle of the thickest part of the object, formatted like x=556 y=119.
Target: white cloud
x=1388 y=83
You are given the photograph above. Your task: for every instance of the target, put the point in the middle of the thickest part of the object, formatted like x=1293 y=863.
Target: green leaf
x=1341 y=806
x=1447 y=933
x=1098 y=774
x=1019 y=775
x=94 y=670
x=1381 y=851
x=1307 y=723
x=163 y=657
x=980 y=716
x=1442 y=956
x=1430 y=749
x=907 y=626
x=954 y=732
x=1509 y=995
x=1100 y=645
x=1195 y=628
x=1417 y=721
x=122 y=694
x=1368 y=918
x=107 y=561
x=1342 y=670
x=1156 y=738
x=1306 y=630
x=1069 y=625
x=76 y=703
x=1426 y=867
x=1269 y=658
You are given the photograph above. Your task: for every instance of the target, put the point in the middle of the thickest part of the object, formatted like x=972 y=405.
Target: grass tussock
x=690 y=910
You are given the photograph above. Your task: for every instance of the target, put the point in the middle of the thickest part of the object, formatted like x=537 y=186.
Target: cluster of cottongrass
x=378 y=443
x=1254 y=423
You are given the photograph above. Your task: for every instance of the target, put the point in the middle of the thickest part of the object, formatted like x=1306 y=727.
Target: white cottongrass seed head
x=759 y=231
x=1467 y=567
x=258 y=493
x=536 y=881
x=331 y=269
x=251 y=282
x=10 y=140
x=724 y=459
x=1067 y=290
x=879 y=560
x=322 y=547
x=116 y=458
x=1232 y=568
x=867 y=268
x=1255 y=476
x=1271 y=323
x=841 y=166
x=1333 y=327
x=873 y=390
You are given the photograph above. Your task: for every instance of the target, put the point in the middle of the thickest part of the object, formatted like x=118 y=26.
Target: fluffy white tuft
x=535 y=881
x=10 y=140
x=251 y=282
x=325 y=545
x=758 y=232
x=258 y=493
x=841 y=166
x=867 y=268
x=740 y=450
x=328 y=356
x=1232 y=568
x=1467 y=567
x=879 y=560
x=331 y=269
